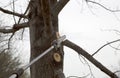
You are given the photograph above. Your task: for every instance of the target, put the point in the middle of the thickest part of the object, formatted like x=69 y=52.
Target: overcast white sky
x=88 y=27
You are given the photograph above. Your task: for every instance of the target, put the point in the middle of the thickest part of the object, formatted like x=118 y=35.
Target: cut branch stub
x=57 y=57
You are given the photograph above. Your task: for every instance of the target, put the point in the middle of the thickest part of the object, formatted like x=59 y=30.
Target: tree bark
x=41 y=37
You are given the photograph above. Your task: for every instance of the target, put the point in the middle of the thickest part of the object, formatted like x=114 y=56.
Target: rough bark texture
x=41 y=37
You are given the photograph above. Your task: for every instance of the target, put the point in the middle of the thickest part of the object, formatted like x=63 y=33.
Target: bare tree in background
x=8 y=62
x=42 y=16
x=8 y=65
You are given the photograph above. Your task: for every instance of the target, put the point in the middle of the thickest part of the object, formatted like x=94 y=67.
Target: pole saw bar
x=55 y=44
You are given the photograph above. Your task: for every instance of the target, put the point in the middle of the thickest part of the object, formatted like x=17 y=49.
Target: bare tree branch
x=20 y=26
x=102 y=6
x=12 y=13
x=15 y=28
x=9 y=40
x=88 y=66
x=104 y=46
x=22 y=33
x=25 y=12
x=116 y=48
x=89 y=57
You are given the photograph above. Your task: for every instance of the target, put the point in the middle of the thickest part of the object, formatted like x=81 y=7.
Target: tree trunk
x=41 y=37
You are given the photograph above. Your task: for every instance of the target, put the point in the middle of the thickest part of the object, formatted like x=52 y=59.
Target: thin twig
x=102 y=6
x=22 y=33
x=24 y=12
x=90 y=8
x=88 y=66
x=116 y=48
x=9 y=41
x=80 y=58
x=104 y=46
x=21 y=18
x=12 y=13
